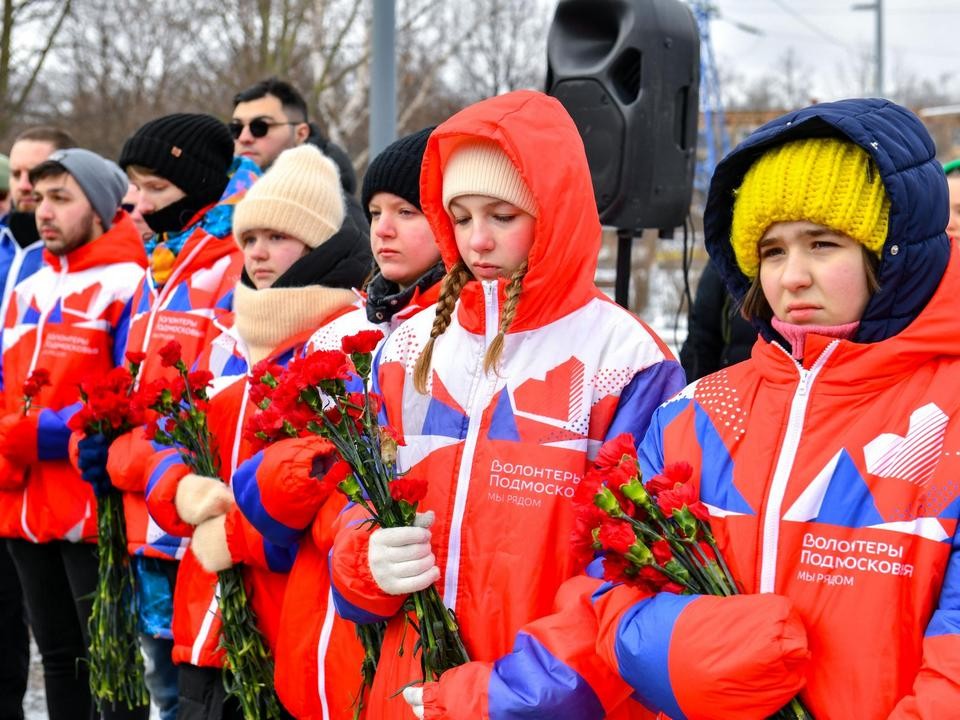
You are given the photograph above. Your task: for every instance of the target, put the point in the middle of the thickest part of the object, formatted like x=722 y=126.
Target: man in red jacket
x=69 y=319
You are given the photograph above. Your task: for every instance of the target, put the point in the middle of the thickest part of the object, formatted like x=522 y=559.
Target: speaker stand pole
x=621 y=293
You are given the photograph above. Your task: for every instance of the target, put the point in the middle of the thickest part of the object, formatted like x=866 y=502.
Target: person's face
x=283 y=132
x=812 y=275
x=953 y=227
x=155 y=192
x=129 y=203
x=268 y=254
x=493 y=236
x=25 y=155
x=65 y=218
x=401 y=239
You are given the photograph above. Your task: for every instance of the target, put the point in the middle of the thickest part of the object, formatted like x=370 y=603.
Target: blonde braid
x=453 y=283
x=492 y=359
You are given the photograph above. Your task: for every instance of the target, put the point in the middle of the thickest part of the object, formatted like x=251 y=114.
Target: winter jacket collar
x=916 y=252
x=385 y=298
x=538 y=135
x=121 y=243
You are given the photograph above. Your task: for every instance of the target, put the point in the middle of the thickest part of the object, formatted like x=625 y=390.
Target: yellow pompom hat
x=827 y=181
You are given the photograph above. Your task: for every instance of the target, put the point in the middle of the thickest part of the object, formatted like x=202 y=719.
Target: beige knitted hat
x=482 y=168
x=299 y=196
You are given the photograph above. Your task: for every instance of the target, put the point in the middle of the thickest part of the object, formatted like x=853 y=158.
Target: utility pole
x=876 y=6
x=383 y=81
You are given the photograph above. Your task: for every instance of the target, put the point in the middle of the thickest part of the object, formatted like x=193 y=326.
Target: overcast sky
x=922 y=38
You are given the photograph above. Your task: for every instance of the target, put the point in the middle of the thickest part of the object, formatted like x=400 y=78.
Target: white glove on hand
x=199 y=498
x=414 y=698
x=209 y=544
x=401 y=560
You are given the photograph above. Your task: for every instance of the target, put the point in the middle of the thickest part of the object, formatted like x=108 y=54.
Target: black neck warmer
x=343 y=261
x=23 y=225
x=385 y=298
x=175 y=216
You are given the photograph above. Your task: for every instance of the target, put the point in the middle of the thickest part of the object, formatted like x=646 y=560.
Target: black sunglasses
x=128 y=207
x=258 y=127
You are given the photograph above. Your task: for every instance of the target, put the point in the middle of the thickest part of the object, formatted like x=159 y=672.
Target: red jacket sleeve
x=127 y=461
x=554 y=669
x=700 y=656
x=356 y=594
x=164 y=471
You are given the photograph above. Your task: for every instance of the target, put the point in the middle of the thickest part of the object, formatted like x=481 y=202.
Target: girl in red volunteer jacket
x=317 y=665
x=298 y=274
x=828 y=461
x=502 y=394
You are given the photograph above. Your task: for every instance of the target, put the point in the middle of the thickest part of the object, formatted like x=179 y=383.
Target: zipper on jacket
x=770 y=538
x=38 y=343
x=451 y=576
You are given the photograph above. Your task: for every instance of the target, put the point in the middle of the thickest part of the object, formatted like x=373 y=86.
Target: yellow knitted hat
x=826 y=181
x=482 y=168
x=299 y=196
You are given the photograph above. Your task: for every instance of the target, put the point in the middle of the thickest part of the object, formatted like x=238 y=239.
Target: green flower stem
x=116 y=665
x=248 y=672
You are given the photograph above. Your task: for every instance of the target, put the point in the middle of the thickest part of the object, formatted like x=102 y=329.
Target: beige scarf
x=266 y=318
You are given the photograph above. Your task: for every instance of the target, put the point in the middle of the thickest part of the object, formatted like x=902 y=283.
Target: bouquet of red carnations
x=110 y=409
x=655 y=536
x=182 y=406
x=311 y=397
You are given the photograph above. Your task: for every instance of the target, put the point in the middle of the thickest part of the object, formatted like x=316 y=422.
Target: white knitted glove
x=401 y=560
x=414 y=698
x=209 y=544
x=199 y=498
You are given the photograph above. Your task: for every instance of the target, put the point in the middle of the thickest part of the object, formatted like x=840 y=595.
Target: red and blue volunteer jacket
x=183 y=309
x=196 y=619
x=831 y=482
x=70 y=318
x=318 y=656
x=503 y=451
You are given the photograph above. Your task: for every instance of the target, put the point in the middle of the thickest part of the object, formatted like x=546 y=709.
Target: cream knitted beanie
x=482 y=168
x=299 y=196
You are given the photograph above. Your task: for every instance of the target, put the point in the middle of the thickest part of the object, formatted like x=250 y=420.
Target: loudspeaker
x=628 y=72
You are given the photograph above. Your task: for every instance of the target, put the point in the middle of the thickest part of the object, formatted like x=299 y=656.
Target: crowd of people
x=825 y=452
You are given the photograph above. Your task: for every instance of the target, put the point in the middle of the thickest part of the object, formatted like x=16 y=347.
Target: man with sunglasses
x=268 y=118
x=271 y=117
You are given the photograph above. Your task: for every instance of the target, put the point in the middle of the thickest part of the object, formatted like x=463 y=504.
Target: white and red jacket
x=503 y=451
x=69 y=318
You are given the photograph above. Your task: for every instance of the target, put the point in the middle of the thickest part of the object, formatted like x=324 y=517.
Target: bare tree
x=505 y=50
x=20 y=65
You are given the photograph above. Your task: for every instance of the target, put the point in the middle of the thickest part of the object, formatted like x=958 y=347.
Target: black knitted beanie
x=192 y=151
x=396 y=170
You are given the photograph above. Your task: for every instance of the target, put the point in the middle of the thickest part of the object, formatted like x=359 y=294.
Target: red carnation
x=408 y=489
x=662 y=552
x=612 y=451
x=683 y=495
x=361 y=343
x=136 y=358
x=616 y=535
x=199 y=379
x=170 y=354
x=38 y=379
x=391 y=433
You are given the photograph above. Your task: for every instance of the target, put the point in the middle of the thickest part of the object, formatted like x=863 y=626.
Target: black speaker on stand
x=628 y=72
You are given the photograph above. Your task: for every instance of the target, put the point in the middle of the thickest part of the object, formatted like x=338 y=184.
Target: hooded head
x=506 y=147
x=866 y=168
